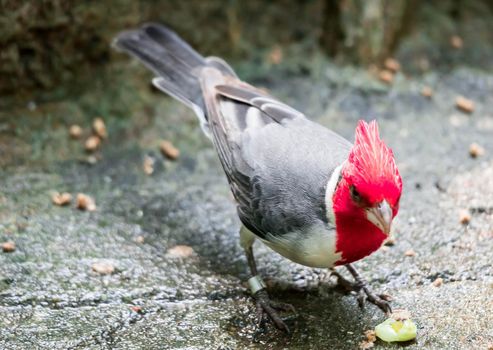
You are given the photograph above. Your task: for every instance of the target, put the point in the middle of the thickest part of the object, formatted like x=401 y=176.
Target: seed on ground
x=427 y=92
x=8 y=247
x=61 y=199
x=456 y=42
x=148 y=165
x=85 y=202
x=99 y=128
x=475 y=150
x=464 y=217
x=180 y=251
x=92 y=143
x=410 y=252
x=386 y=76
x=464 y=104
x=438 y=282
x=103 y=268
x=169 y=150
x=392 y=64
x=75 y=131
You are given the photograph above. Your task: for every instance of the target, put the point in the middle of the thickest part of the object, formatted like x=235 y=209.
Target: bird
x=299 y=188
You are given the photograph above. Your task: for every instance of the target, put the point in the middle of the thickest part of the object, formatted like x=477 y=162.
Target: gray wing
x=278 y=163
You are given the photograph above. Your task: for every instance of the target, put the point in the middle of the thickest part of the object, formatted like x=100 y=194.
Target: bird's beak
x=381 y=216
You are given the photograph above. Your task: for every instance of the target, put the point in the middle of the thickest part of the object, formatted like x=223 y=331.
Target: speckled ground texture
x=51 y=299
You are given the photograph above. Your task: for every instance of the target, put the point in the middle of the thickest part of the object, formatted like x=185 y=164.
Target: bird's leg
x=265 y=306
x=360 y=286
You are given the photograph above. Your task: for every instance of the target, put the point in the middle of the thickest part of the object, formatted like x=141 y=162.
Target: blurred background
x=50 y=48
x=117 y=228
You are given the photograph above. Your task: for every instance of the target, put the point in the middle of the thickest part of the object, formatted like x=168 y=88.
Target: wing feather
x=277 y=161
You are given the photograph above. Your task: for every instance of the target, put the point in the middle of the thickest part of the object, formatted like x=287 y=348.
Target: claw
x=266 y=307
x=364 y=293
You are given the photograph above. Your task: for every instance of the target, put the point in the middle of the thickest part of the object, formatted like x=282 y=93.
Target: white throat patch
x=329 y=193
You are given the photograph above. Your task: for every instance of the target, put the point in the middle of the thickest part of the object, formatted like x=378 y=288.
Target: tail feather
x=175 y=45
x=179 y=68
x=166 y=58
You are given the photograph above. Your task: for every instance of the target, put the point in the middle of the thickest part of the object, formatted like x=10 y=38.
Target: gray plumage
x=277 y=162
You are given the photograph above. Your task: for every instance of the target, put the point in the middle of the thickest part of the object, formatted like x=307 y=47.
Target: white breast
x=315 y=247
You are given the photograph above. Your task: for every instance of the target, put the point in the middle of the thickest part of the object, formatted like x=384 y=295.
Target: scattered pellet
x=275 y=55
x=148 y=165
x=475 y=150
x=368 y=343
x=410 y=252
x=84 y=202
x=464 y=217
x=392 y=65
x=464 y=104
x=8 y=247
x=61 y=199
x=386 y=76
x=168 y=150
x=180 y=251
x=103 y=268
x=438 y=282
x=75 y=131
x=99 y=128
x=92 y=143
x=401 y=314
x=139 y=239
x=427 y=92
x=136 y=308
x=456 y=42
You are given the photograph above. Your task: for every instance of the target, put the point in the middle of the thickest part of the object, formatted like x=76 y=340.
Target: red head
x=367 y=196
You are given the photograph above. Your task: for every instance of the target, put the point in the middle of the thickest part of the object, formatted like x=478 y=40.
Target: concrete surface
x=51 y=299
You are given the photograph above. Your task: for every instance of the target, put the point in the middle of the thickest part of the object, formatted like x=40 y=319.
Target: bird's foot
x=363 y=292
x=265 y=306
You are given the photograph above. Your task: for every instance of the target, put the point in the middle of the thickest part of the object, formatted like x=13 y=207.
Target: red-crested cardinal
x=300 y=188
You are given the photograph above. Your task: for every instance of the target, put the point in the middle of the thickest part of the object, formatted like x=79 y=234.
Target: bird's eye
x=355 y=194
